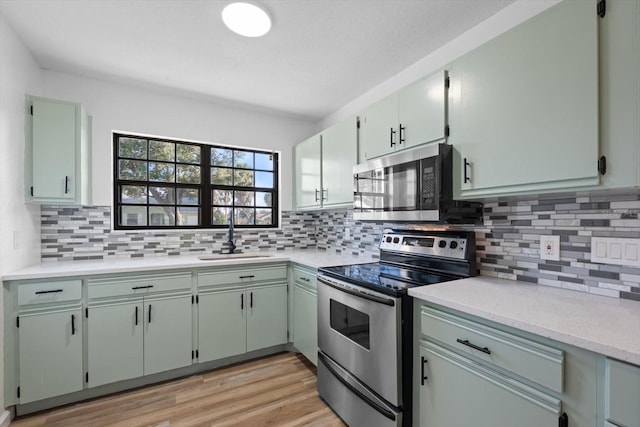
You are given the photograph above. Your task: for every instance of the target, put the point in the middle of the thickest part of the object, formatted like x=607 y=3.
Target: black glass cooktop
x=386 y=278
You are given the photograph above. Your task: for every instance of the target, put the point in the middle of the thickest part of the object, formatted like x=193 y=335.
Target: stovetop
x=410 y=258
x=385 y=278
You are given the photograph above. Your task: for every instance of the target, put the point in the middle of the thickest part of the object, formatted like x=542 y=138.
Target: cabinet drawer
x=242 y=275
x=622 y=393
x=304 y=277
x=138 y=285
x=536 y=362
x=48 y=292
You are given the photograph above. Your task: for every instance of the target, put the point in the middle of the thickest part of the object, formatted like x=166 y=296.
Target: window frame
x=205 y=187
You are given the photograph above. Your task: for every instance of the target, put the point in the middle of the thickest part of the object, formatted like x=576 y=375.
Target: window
x=160 y=183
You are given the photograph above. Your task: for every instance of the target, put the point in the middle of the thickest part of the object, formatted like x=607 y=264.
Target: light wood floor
x=279 y=390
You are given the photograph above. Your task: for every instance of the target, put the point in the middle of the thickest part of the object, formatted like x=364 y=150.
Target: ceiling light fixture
x=246 y=19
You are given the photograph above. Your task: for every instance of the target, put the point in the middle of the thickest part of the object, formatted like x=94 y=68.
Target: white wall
x=139 y=110
x=19 y=74
x=509 y=17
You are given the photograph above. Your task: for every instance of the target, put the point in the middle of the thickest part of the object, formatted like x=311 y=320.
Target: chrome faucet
x=231 y=243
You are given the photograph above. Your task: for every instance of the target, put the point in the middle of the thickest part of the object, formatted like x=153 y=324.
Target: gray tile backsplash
x=507 y=242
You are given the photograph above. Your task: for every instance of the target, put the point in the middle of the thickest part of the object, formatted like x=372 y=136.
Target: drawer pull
x=135 y=288
x=473 y=346
x=423 y=377
x=48 y=292
x=247 y=277
x=304 y=278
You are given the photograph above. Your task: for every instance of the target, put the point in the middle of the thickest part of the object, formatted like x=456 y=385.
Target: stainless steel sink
x=220 y=257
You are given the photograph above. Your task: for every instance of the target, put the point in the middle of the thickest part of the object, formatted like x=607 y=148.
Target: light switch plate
x=550 y=248
x=610 y=250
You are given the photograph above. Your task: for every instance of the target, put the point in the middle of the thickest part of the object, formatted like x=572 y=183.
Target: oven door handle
x=351 y=291
x=366 y=399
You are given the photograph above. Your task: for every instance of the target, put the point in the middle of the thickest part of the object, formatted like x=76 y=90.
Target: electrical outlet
x=550 y=247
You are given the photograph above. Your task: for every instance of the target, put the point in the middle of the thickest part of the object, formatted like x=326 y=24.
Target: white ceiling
x=320 y=54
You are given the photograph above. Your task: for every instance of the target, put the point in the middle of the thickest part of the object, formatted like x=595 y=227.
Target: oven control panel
x=435 y=245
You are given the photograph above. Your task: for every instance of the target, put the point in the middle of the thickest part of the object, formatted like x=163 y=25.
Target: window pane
x=132 y=148
x=221 y=176
x=244 y=198
x=220 y=216
x=264 y=161
x=243 y=159
x=221 y=157
x=162 y=172
x=222 y=197
x=263 y=199
x=160 y=150
x=133 y=216
x=162 y=196
x=188 y=153
x=244 y=216
x=263 y=216
x=133 y=170
x=188 y=216
x=188 y=174
x=264 y=179
x=243 y=178
x=133 y=194
x=162 y=215
x=188 y=196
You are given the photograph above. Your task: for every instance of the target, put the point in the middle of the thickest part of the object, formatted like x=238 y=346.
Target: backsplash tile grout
x=507 y=244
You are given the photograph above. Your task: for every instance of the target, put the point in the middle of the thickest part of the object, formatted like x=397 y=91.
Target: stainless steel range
x=365 y=323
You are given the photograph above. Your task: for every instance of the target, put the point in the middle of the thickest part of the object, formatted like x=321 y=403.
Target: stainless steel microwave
x=413 y=185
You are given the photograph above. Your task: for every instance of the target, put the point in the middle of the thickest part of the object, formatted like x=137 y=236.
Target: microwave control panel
x=429 y=185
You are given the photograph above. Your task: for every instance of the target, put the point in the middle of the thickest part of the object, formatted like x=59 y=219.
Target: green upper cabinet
x=339 y=155
x=323 y=167
x=523 y=108
x=416 y=114
x=58 y=152
x=308 y=173
x=620 y=93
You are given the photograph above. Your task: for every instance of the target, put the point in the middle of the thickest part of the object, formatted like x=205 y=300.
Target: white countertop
x=604 y=325
x=46 y=270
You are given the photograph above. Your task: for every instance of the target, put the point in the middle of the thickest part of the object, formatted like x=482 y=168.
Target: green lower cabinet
x=232 y=322
x=456 y=392
x=267 y=318
x=50 y=346
x=115 y=343
x=222 y=325
x=167 y=334
x=622 y=393
x=305 y=321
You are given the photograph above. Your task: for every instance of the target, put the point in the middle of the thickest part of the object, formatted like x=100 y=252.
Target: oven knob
x=388 y=239
x=442 y=243
x=396 y=239
x=453 y=244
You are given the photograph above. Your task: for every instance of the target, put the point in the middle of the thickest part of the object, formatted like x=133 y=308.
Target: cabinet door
x=422 y=111
x=114 y=340
x=308 y=178
x=339 y=155
x=50 y=354
x=222 y=325
x=54 y=135
x=460 y=393
x=524 y=106
x=379 y=128
x=305 y=323
x=167 y=334
x=267 y=318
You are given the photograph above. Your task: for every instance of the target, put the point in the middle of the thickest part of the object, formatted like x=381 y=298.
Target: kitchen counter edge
x=600 y=324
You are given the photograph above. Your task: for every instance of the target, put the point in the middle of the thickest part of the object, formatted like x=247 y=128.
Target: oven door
x=360 y=330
